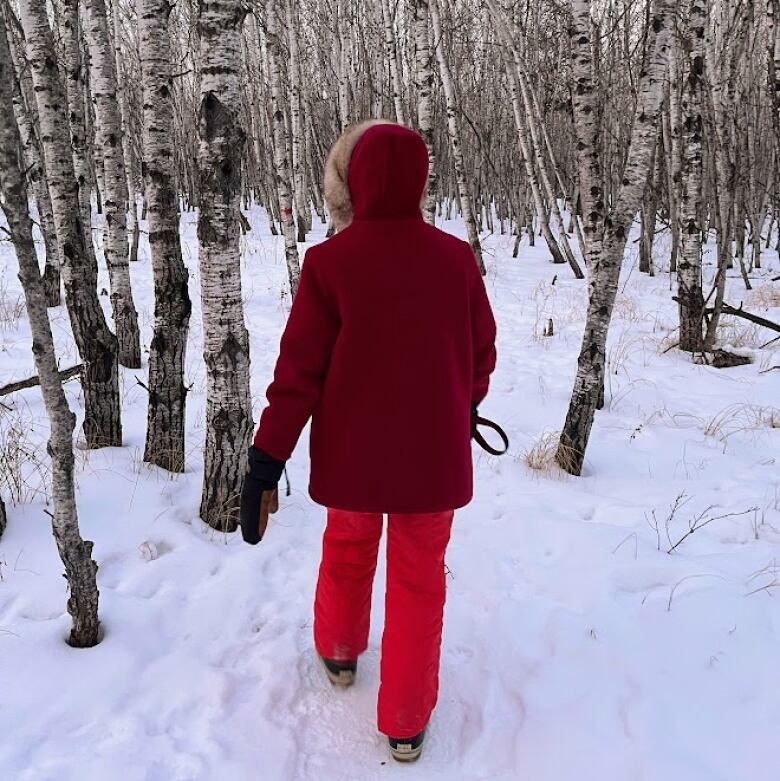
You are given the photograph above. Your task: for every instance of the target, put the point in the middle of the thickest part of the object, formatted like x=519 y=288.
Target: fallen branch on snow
x=31 y=382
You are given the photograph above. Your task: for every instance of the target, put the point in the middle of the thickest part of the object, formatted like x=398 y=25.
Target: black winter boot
x=340 y=673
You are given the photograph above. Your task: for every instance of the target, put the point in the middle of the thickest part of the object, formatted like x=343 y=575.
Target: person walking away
x=388 y=348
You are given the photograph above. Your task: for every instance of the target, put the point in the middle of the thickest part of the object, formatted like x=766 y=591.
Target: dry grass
x=11 y=307
x=627 y=308
x=24 y=466
x=737 y=332
x=741 y=417
x=764 y=297
x=540 y=457
x=564 y=306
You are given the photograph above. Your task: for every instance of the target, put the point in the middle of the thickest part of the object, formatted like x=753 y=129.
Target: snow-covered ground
x=575 y=646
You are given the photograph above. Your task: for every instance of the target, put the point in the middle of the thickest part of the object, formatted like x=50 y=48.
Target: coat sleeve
x=483 y=334
x=304 y=355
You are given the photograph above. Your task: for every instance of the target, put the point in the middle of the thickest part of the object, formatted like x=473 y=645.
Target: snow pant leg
x=342 y=605
x=414 y=609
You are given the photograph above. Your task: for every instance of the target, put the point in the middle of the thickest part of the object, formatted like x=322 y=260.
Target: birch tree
x=303 y=211
x=96 y=344
x=281 y=160
x=424 y=83
x=108 y=125
x=392 y=61
x=225 y=340
x=167 y=393
x=606 y=229
x=75 y=88
x=689 y=283
x=75 y=552
x=464 y=194
x=26 y=120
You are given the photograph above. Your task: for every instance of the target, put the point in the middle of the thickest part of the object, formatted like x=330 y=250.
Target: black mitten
x=258 y=494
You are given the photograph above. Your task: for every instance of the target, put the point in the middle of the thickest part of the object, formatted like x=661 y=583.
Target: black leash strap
x=476 y=421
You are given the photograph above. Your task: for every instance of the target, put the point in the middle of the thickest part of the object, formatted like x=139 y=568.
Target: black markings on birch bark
x=225 y=340
x=165 y=428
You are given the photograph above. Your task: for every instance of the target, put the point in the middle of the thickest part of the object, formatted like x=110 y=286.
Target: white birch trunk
x=96 y=344
x=281 y=160
x=165 y=428
x=424 y=82
x=392 y=60
x=128 y=152
x=689 y=281
x=75 y=552
x=73 y=67
x=464 y=192
x=27 y=122
x=302 y=208
x=225 y=340
x=108 y=137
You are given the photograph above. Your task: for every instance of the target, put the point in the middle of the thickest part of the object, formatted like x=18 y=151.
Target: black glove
x=259 y=495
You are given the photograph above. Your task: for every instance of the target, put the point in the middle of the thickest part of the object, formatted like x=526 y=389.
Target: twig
x=700 y=521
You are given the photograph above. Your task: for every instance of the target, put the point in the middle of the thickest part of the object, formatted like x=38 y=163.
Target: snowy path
x=574 y=648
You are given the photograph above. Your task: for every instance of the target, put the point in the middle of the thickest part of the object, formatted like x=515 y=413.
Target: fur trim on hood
x=336 y=187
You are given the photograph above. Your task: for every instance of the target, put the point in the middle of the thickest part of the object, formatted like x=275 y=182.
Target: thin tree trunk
x=424 y=82
x=75 y=552
x=392 y=59
x=128 y=153
x=456 y=147
x=108 y=136
x=649 y=213
x=74 y=84
x=165 y=427
x=225 y=340
x=26 y=120
x=302 y=208
x=96 y=344
x=281 y=160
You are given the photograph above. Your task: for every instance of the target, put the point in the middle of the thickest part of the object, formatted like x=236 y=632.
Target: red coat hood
x=387 y=173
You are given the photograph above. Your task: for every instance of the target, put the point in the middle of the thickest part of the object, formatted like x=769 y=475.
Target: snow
x=575 y=646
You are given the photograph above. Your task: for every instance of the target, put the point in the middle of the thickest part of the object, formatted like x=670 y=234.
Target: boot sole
x=342 y=679
x=406 y=756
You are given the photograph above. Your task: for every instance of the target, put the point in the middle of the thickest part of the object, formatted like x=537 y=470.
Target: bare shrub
x=24 y=467
x=763 y=297
x=627 y=308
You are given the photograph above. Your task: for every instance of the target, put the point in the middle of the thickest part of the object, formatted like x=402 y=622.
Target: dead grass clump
x=741 y=417
x=541 y=455
x=736 y=332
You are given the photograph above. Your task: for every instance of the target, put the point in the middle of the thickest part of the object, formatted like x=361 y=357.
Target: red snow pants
x=414 y=607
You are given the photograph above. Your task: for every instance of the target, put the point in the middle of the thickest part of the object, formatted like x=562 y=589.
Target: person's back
x=389 y=346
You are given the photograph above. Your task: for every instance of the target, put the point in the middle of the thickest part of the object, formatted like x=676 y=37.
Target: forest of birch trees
x=582 y=124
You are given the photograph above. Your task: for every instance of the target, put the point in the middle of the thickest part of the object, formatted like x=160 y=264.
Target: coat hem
x=334 y=504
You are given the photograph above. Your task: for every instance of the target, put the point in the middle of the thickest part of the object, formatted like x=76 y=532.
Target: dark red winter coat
x=389 y=342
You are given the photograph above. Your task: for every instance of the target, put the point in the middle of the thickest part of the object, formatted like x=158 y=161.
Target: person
x=388 y=348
